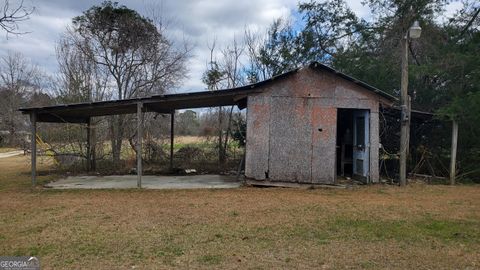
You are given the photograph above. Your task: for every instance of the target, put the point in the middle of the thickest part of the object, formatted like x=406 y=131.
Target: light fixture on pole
x=413 y=32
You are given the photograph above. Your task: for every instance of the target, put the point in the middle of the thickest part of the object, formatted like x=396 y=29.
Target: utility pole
x=405 y=114
x=413 y=32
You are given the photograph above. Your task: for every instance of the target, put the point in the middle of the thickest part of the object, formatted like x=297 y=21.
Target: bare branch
x=11 y=15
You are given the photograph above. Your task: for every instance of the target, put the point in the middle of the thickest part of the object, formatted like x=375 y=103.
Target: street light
x=413 y=32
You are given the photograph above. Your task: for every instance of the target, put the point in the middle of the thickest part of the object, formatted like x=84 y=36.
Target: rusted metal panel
x=349 y=90
x=324 y=123
x=258 y=123
x=285 y=88
x=283 y=137
x=306 y=83
x=319 y=84
x=365 y=104
x=290 y=140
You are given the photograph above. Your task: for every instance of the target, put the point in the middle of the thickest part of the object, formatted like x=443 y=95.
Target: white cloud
x=197 y=21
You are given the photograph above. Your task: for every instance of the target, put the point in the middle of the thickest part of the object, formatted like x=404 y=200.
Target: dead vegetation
x=419 y=227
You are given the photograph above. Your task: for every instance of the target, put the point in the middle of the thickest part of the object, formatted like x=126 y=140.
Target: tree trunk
x=117 y=128
x=12 y=136
x=229 y=127
x=221 y=153
x=93 y=149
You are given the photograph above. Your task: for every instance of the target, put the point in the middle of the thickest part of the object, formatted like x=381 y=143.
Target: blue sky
x=197 y=21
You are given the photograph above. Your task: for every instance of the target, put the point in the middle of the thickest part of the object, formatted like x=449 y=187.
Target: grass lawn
x=419 y=227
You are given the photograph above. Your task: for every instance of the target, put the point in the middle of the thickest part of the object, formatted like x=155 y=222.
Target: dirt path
x=11 y=154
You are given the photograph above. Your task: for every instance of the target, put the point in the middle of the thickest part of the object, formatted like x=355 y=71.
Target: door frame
x=366 y=178
x=366 y=152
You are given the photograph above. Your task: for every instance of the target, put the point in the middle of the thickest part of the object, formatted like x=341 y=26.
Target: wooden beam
x=33 y=125
x=139 y=143
x=453 y=158
x=50 y=118
x=172 y=134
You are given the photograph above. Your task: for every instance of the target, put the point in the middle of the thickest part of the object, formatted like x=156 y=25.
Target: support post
x=172 y=134
x=405 y=114
x=453 y=159
x=139 y=143
x=93 y=150
x=89 y=146
x=33 y=124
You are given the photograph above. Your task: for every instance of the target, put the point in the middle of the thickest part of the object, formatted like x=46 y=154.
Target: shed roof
x=81 y=112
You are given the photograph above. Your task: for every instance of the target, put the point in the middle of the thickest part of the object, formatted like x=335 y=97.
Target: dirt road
x=11 y=154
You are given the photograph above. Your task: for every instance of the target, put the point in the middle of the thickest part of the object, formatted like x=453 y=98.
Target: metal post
x=139 y=143
x=172 y=134
x=33 y=121
x=89 y=146
x=405 y=115
x=453 y=159
x=93 y=151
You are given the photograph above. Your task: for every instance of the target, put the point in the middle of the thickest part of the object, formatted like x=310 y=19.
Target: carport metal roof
x=81 y=112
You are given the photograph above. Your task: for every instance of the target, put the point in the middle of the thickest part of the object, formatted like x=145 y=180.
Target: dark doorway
x=345 y=142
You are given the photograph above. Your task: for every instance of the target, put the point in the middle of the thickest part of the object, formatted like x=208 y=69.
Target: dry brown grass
x=190 y=139
x=419 y=227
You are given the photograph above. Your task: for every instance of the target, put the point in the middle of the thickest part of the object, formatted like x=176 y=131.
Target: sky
x=199 y=22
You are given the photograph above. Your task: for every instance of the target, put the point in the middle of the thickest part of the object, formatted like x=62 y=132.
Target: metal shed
x=295 y=123
x=303 y=126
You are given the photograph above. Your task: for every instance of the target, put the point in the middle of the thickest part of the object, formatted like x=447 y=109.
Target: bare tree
x=233 y=74
x=226 y=73
x=136 y=54
x=11 y=15
x=18 y=79
x=256 y=71
x=79 y=78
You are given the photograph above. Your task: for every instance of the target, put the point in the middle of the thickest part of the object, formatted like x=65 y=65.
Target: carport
x=291 y=123
x=81 y=113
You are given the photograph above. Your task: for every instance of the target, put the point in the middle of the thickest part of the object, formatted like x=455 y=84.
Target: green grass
x=210 y=259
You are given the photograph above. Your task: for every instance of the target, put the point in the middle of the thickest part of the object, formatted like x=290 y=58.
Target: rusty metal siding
x=290 y=140
x=258 y=122
x=283 y=123
x=324 y=130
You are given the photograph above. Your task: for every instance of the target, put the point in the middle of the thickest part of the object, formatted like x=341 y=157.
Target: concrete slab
x=148 y=182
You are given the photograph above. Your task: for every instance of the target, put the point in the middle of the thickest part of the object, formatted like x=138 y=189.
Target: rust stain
x=261 y=112
x=326 y=119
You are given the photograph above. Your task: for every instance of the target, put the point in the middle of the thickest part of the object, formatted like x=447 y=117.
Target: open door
x=361 y=145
